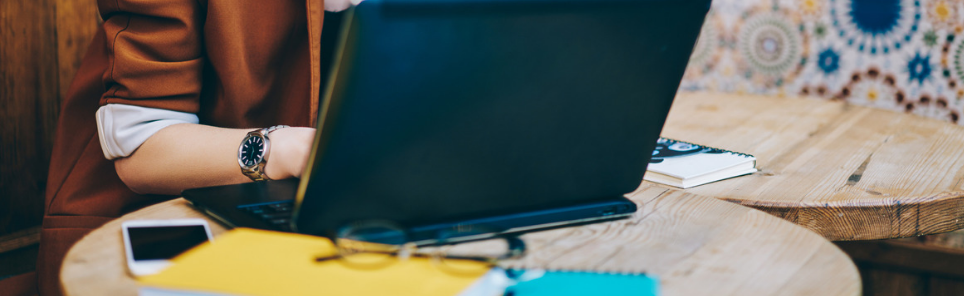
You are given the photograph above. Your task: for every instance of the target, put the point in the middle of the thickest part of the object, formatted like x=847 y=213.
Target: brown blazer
x=236 y=63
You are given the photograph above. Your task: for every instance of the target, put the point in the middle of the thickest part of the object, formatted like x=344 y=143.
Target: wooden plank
x=695 y=245
x=20 y=239
x=954 y=240
x=28 y=85
x=44 y=42
x=936 y=259
x=933 y=260
x=889 y=283
x=907 y=256
x=946 y=287
x=844 y=171
x=76 y=23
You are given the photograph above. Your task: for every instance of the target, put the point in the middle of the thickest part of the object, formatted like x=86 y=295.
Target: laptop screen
x=439 y=109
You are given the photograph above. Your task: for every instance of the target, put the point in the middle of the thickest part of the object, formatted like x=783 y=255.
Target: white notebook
x=684 y=165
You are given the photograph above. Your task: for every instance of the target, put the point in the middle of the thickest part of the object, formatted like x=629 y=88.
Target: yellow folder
x=256 y=262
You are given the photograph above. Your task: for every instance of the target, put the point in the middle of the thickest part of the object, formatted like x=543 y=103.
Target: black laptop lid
x=453 y=109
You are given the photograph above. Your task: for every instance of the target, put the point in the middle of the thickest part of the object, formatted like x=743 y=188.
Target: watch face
x=252 y=151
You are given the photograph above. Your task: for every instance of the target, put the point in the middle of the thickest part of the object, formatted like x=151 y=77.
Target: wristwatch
x=253 y=150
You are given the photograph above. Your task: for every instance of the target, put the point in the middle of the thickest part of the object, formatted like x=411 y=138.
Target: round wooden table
x=695 y=245
x=846 y=172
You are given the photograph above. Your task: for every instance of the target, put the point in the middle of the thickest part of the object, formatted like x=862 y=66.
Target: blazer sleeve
x=156 y=53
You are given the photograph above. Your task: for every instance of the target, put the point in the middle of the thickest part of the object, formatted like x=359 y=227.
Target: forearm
x=186 y=156
x=183 y=156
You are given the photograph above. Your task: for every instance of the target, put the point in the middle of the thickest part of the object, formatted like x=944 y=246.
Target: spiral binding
x=604 y=270
x=590 y=272
x=569 y=275
x=704 y=146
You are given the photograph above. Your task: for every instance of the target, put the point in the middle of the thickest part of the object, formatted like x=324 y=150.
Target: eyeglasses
x=376 y=244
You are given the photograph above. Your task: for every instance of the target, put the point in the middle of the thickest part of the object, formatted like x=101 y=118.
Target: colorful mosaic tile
x=904 y=55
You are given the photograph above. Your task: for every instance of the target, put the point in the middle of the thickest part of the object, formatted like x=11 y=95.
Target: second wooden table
x=847 y=172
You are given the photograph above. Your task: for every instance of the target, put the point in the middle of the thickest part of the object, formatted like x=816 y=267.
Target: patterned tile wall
x=905 y=55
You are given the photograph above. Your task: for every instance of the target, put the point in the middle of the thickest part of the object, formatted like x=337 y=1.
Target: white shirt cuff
x=123 y=128
x=340 y=5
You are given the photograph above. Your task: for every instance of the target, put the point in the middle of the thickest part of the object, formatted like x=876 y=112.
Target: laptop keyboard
x=276 y=213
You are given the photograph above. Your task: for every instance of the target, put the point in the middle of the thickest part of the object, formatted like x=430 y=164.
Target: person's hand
x=289 y=152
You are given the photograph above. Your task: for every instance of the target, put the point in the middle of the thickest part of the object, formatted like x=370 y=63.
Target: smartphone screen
x=164 y=242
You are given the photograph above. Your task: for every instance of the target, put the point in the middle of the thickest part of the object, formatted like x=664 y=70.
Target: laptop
x=512 y=115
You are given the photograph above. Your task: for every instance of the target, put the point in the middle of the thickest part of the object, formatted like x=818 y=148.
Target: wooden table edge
x=78 y=260
x=950 y=204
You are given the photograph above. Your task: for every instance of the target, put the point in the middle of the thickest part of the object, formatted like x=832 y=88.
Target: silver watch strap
x=267 y=130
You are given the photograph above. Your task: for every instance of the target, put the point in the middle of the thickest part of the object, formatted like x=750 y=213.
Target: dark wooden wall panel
x=41 y=44
x=946 y=287
x=891 y=283
x=76 y=22
x=927 y=265
x=29 y=74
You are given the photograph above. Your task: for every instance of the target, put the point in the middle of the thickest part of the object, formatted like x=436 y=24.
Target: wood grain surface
x=19 y=239
x=41 y=44
x=28 y=90
x=846 y=172
x=927 y=265
x=695 y=245
x=77 y=21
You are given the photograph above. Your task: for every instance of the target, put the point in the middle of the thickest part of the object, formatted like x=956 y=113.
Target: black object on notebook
x=508 y=114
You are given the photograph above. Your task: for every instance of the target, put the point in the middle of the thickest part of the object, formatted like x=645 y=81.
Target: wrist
x=277 y=167
x=289 y=152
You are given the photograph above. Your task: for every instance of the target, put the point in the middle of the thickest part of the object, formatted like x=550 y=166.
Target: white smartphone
x=150 y=244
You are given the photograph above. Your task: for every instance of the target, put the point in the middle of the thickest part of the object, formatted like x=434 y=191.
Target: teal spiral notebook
x=566 y=283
